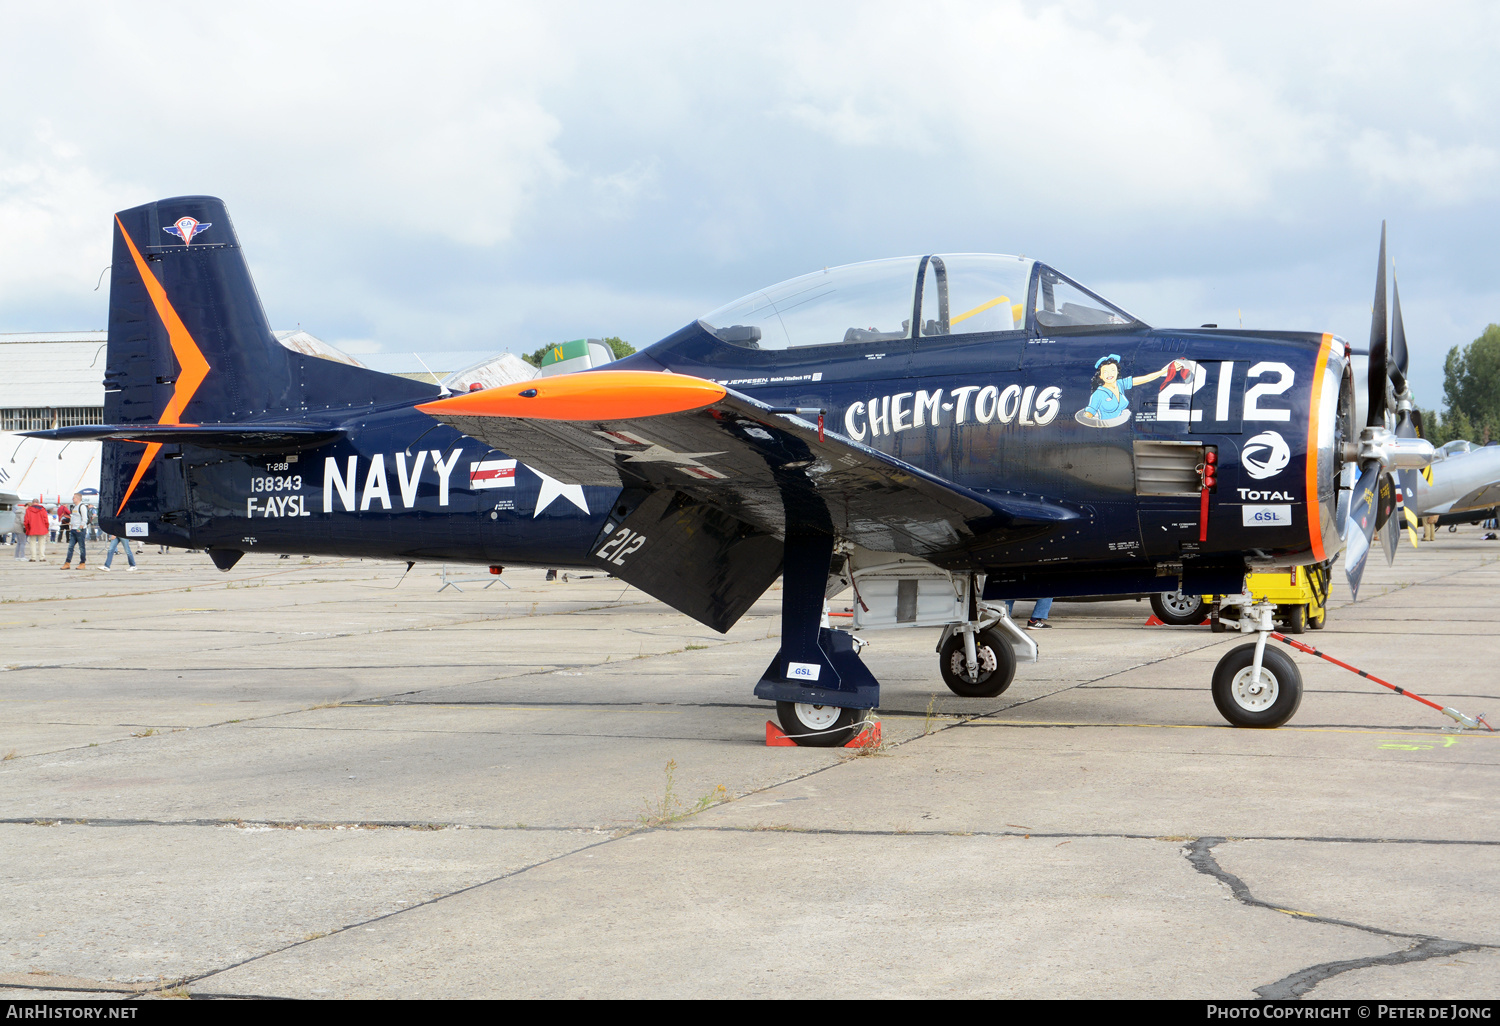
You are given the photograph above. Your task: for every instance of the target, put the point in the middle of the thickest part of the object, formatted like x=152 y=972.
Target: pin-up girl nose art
x=1108 y=406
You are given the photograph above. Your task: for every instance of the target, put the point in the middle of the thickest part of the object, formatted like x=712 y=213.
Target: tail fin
x=188 y=338
x=189 y=344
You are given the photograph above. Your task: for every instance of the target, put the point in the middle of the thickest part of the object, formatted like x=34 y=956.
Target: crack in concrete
x=635 y=828
x=1295 y=985
x=297 y=824
x=1304 y=980
x=186 y=980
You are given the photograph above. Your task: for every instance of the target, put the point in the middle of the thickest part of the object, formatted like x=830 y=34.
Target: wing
x=720 y=478
x=1484 y=497
x=772 y=470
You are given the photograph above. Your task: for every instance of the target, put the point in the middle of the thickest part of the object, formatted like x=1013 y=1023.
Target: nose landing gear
x=1254 y=686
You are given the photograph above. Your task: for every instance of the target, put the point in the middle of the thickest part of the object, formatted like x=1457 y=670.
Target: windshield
x=865 y=302
x=1063 y=303
x=1455 y=447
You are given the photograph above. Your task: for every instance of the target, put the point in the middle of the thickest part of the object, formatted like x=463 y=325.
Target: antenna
x=446 y=390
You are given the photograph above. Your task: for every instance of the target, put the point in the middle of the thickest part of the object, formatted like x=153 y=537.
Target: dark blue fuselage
x=1004 y=413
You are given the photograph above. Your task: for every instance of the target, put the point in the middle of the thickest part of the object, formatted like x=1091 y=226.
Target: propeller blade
x=1412 y=523
x=1386 y=498
x=1390 y=537
x=1416 y=419
x=1398 y=339
x=1378 y=370
x=1406 y=497
x=1362 y=514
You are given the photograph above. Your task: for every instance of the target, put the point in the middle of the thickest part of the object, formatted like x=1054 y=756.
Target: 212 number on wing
x=621 y=544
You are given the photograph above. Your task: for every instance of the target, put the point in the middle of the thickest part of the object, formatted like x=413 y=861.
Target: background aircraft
x=933 y=433
x=1462 y=486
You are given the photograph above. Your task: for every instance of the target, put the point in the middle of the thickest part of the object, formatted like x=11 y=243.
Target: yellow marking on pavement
x=1294 y=912
x=1418 y=742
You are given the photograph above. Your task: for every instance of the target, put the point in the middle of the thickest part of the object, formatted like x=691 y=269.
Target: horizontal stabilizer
x=243 y=438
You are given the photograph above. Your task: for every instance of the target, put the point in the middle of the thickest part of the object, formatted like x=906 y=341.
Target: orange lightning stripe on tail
x=194 y=368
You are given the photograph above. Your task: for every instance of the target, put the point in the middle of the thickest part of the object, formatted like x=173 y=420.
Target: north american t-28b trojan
x=933 y=434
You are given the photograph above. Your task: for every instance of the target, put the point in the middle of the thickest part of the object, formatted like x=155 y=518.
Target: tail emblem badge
x=186 y=228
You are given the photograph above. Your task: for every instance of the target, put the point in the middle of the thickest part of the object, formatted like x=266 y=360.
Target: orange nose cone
x=592 y=395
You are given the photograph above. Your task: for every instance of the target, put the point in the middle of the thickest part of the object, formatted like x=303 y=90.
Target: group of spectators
x=76 y=525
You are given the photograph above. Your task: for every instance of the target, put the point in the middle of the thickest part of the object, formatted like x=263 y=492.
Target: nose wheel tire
x=820 y=726
x=1179 y=610
x=1267 y=702
x=997 y=665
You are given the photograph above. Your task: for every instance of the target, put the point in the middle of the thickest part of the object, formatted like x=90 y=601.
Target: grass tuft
x=670 y=808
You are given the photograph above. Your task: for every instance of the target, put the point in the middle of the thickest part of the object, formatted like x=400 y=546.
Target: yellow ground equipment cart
x=1300 y=595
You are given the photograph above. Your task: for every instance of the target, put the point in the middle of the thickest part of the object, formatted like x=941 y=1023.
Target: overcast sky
x=440 y=177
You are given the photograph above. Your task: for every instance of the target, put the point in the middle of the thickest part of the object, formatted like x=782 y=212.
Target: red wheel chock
x=1154 y=621
x=777 y=738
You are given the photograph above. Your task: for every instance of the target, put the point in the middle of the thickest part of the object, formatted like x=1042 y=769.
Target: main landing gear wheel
x=1271 y=701
x=1177 y=609
x=820 y=726
x=997 y=665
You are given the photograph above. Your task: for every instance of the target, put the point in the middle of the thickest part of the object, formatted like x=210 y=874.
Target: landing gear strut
x=822 y=690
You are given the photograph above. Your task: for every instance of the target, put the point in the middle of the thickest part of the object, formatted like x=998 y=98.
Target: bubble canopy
x=941 y=294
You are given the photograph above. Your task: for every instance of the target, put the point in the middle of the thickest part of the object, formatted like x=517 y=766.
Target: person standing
x=73 y=526
x=36 y=524
x=109 y=556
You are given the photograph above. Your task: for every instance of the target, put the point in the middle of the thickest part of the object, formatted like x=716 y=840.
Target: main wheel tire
x=997 y=665
x=820 y=726
x=1177 y=609
x=1241 y=703
x=1293 y=619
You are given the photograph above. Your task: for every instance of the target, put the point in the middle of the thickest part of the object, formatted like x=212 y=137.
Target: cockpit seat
x=746 y=335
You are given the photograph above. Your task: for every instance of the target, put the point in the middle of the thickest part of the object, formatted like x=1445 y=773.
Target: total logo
x=1265 y=455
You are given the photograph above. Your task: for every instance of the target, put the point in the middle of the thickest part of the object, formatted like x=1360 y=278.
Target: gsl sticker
x=803 y=671
x=1267 y=516
x=137 y=531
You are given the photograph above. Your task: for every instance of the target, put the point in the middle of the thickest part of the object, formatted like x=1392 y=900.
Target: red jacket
x=36 y=521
